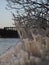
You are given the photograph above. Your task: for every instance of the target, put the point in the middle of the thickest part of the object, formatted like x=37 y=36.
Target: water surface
x=5 y=43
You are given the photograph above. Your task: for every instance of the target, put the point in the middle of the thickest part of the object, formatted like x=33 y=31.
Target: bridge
x=10 y=28
x=9 y=32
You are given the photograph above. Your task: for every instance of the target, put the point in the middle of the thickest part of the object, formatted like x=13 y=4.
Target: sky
x=5 y=15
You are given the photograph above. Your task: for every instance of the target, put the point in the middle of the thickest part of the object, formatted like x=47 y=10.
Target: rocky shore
x=28 y=52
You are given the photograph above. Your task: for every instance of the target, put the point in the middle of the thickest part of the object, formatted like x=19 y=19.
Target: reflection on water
x=5 y=43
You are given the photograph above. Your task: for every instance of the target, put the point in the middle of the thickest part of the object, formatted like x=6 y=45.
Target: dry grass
x=28 y=52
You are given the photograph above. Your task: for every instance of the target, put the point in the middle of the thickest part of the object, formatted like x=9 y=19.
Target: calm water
x=5 y=43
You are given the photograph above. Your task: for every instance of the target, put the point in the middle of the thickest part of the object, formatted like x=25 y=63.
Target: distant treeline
x=4 y=33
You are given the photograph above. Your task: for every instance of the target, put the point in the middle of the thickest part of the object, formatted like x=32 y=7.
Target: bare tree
x=30 y=14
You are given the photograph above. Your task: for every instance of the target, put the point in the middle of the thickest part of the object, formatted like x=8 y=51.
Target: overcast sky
x=5 y=15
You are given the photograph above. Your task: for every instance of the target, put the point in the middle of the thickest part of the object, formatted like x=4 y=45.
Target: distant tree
x=30 y=13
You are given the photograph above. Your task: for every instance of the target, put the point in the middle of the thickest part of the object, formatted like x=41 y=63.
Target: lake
x=6 y=43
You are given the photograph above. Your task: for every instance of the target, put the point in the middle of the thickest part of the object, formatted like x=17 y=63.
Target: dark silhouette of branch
x=30 y=12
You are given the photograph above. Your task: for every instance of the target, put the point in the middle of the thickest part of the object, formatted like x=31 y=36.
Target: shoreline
x=25 y=53
x=6 y=44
